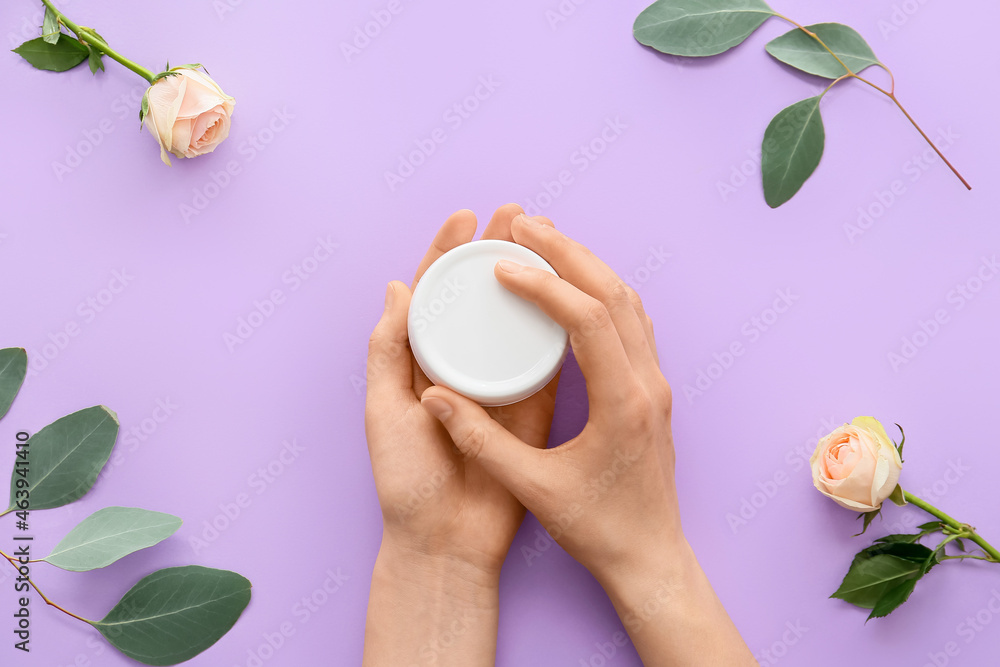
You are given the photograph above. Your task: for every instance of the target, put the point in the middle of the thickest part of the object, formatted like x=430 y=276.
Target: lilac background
x=318 y=171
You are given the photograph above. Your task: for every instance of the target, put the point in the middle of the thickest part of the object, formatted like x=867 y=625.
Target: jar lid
x=472 y=335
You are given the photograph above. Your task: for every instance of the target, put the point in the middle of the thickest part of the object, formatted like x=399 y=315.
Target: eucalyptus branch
x=891 y=94
x=16 y=565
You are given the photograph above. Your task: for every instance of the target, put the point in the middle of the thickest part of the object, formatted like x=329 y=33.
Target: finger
x=577 y=265
x=499 y=226
x=592 y=332
x=389 y=375
x=459 y=228
x=516 y=465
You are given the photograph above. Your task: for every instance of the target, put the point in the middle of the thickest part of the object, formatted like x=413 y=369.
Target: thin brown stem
x=891 y=93
x=49 y=602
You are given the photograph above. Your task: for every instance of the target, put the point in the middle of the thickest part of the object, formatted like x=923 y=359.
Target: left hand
x=434 y=502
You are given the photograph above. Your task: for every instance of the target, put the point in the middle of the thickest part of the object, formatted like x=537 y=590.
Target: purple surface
x=313 y=136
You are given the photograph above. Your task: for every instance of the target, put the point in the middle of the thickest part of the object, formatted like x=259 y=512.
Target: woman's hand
x=447 y=523
x=608 y=495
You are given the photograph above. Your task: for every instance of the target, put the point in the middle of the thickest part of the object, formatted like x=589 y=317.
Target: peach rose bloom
x=188 y=113
x=857 y=465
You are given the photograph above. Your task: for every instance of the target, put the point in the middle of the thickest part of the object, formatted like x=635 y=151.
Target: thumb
x=514 y=463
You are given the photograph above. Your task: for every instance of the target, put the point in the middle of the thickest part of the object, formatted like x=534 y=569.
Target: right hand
x=607 y=496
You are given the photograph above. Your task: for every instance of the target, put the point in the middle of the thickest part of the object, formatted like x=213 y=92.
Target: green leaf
x=892 y=598
x=897 y=496
x=144 y=107
x=94 y=60
x=960 y=544
x=902 y=442
x=50 y=27
x=65 y=54
x=931 y=526
x=792 y=148
x=65 y=458
x=13 y=366
x=803 y=52
x=699 y=27
x=110 y=534
x=907 y=539
x=917 y=553
x=870 y=577
x=869 y=517
x=174 y=614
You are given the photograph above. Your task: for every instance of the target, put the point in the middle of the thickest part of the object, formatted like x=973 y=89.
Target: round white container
x=470 y=334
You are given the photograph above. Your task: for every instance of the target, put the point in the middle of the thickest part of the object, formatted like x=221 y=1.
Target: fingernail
x=510 y=267
x=438 y=408
x=390 y=296
x=531 y=222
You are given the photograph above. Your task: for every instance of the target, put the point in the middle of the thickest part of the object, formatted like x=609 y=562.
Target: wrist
x=438 y=573
x=651 y=580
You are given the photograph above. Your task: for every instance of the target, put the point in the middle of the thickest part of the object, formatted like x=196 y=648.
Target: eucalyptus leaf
x=174 y=614
x=94 y=60
x=869 y=578
x=110 y=534
x=892 y=598
x=65 y=54
x=791 y=151
x=804 y=52
x=699 y=27
x=13 y=367
x=50 y=27
x=66 y=457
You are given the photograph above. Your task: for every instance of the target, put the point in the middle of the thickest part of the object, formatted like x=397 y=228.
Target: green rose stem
x=49 y=602
x=90 y=37
x=957 y=530
x=891 y=94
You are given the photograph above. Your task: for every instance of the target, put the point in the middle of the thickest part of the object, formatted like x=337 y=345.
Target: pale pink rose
x=857 y=465
x=187 y=113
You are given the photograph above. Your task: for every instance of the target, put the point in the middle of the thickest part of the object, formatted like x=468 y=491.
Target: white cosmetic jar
x=472 y=335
